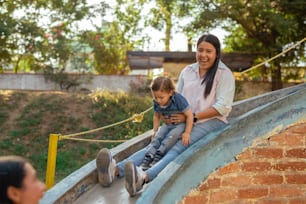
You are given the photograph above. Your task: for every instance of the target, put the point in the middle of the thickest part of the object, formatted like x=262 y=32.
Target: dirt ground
x=76 y=109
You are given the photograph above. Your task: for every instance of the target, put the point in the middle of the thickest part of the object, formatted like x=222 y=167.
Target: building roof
x=156 y=59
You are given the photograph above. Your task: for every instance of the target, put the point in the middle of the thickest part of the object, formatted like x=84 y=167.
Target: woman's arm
x=208 y=113
x=225 y=92
x=224 y=98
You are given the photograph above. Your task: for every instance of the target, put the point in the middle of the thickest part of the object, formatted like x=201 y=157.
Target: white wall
x=38 y=82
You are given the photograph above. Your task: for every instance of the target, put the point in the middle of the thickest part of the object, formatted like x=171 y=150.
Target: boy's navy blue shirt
x=178 y=104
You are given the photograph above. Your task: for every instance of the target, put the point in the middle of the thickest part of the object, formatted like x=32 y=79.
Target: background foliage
x=50 y=35
x=28 y=118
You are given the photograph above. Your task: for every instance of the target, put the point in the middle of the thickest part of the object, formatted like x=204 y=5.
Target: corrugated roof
x=155 y=59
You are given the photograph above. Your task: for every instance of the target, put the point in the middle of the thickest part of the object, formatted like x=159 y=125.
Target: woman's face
x=33 y=189
x=206 y=55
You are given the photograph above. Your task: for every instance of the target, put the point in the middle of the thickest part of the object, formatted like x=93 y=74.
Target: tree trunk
x=168 y=32
x=189 y=44
x=264 y=73
x=276 y=76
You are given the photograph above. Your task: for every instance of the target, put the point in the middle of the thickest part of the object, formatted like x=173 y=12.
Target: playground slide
x=250 y=118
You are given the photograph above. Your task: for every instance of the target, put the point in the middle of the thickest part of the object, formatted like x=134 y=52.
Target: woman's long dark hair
x=12 y=173
x=210 y=75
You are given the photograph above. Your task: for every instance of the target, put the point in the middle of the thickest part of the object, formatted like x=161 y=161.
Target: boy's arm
x=156 y=122
x=189 y=120
x=189 y=124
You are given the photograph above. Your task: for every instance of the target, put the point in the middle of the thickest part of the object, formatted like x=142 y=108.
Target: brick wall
x=271 y=171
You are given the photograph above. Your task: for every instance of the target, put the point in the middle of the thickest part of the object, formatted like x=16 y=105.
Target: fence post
x=52 y=150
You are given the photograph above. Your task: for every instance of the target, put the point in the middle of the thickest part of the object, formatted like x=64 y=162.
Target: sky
x=178 y=41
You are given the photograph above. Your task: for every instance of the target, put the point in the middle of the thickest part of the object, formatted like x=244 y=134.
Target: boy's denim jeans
x=198 y=131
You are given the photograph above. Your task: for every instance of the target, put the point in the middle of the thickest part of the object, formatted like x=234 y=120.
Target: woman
x=209 y=86
x=18 y=182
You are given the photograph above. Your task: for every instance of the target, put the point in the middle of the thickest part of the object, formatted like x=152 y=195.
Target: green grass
x=28 y=133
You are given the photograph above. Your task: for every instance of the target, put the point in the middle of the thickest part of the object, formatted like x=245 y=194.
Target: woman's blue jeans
x=199 y=131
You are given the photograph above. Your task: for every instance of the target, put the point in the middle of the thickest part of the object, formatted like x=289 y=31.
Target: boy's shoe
x=157 y=157
x=146 y=162
x=105 y=167
x=134 y=178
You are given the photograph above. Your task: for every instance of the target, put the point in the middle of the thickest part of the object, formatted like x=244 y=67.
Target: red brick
x=268 y=152
x=252 y=193
x=288 y=165
x=268 y=179
x=296 y=179
x=276 y=168
x=240 y=180
x=271 y=201
x=298 y=128
x=256 y=166
x=288 y=139
x=286 y=191
x=230 y=168
x=222 y=195
x=247 y=154
x=210 y=183
x=198 y=199
x=296 y=153
x=301 y=200
x=241 y=201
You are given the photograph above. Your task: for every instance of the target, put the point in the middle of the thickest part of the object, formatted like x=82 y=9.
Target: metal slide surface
x=274 y=107
x=112 y=195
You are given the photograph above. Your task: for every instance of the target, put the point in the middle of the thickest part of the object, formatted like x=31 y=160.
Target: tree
x=162 y=16
x=39 y=34
x=107 y=49
x=167 y=16
x=111 y=40
x=17 y=36
x=267 y=26
x=30 y=44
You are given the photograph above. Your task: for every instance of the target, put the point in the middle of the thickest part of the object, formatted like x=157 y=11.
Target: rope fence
x=276 y=56
x=54 y=138
x=136 y=118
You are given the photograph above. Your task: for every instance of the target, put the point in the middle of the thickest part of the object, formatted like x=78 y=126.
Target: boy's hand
x=154 y=133
x=186 y=139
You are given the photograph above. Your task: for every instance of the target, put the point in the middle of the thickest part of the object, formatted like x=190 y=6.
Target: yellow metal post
x=52 y=150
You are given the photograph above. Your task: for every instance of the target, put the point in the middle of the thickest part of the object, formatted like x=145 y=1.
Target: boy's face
x=162 y=97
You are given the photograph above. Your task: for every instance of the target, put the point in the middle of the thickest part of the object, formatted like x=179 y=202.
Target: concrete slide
x=251 y=118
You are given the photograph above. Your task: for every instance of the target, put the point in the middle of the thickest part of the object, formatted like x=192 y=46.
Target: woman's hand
x=166 y=119
x=178 y=118
x=175 y=118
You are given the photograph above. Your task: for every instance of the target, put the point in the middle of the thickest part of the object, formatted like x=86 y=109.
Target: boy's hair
x=162 y=84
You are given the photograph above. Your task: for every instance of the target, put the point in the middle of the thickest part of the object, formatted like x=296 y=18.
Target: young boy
x=166 y=102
